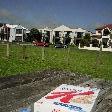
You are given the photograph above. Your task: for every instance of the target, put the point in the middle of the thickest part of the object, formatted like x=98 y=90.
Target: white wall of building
x=62 y=31
x=13 y=33
x=97 y=32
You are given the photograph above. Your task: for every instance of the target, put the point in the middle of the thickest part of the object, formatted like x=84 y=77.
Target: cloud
x=7 y=16
x=35 y=20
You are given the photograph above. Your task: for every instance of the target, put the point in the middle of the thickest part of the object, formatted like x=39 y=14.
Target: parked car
x=40 y=44
x=60 y=45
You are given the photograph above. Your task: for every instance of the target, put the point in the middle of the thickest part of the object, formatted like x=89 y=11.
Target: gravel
x=21 y=91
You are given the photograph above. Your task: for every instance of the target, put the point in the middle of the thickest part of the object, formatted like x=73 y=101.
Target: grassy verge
x=29 y=59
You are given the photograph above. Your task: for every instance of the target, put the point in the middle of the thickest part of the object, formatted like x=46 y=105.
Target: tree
x=25 y=37
x=67 y=40
x=34 y=35
x=2 y=34
x=87 y=39
x=106 y=32
x=95 y=43
x=46 y=39
x=56 y=40
x=87 y=36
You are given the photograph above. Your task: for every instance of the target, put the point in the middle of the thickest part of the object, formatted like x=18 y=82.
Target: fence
x=96 y=48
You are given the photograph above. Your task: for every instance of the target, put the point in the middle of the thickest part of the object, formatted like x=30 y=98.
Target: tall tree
x=87 y=39
x=67 y=39
x=34 y=35
x=2 y=34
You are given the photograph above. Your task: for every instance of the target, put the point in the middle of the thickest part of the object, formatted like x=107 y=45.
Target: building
x=103 y=34
x=47 y=32
x=13 y=33
x=79 y=33
x=17 y=33
x=64 y=31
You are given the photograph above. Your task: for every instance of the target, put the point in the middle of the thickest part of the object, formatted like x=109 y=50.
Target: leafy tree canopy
x=34 y=35
x=87 y=36
x=34 y=31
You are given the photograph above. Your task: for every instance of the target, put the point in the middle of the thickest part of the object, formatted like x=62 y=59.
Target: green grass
x=94 y=63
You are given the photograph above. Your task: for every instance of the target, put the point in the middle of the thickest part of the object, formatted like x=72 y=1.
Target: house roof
x=80 y=30
x=11 y=26
x=62 y=28
x=46 y=28
x=105 y=26
x=14 y=26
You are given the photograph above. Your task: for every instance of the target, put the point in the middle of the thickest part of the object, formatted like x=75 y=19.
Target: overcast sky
x=82 y=13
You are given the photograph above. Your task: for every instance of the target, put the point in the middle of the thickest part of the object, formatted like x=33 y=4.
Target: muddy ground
x=23 y=90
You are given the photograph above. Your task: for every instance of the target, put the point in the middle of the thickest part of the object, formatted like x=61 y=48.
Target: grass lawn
x=94 y=63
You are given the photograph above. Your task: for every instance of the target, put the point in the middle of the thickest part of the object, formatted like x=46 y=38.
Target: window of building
x=79 y=34
x=18 y=31
x=57 y=34
x=99 y=31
